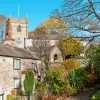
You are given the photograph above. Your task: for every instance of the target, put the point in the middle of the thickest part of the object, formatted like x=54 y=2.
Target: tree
x=82 y=16
x=70 y=47
x=90 y=51
x=54 y=26
x=29 y=83
x=41 y=43
x=94 y=58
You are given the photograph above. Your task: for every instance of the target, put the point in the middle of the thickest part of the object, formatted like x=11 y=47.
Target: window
x=1 y=96
x=55 y=57
x=19 y=28
x=17 y=64
x=33 y=66
x=17 y=83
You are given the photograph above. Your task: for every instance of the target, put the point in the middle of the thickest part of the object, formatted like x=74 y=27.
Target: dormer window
x=19 y=28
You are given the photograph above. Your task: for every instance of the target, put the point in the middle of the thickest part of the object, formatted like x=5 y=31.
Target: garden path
x=85 y=94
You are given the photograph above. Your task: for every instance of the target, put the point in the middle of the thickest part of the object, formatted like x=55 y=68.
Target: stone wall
x=13 y=35
x=54 y=51
x=7 y=73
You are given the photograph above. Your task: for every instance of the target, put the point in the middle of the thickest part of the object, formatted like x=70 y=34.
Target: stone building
x=18 y=53
x=12 y=62
x=16 y=32
x=15 y=57
x=50 y=49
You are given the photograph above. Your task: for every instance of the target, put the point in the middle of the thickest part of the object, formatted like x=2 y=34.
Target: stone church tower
x=16 y=32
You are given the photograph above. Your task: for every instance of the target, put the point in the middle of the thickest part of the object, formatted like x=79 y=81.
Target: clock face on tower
x=18 y=41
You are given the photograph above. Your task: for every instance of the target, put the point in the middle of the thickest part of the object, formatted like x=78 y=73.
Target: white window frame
x=1 y=97
x=19 y=83
x=15 y=66
x=34 y=66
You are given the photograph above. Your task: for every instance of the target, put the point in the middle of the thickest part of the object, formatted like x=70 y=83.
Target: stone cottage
x=15 y=57
x=12 y=62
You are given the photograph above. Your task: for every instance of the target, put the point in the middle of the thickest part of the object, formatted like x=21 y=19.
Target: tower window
x=19 y=28
x=55 y=57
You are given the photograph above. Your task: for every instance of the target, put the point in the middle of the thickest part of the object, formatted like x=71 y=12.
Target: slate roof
x=48 y=49
x=9 y=51
x=31 y=35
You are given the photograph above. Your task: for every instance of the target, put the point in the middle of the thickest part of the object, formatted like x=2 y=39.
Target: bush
x=77 y=79
x=57 y=86
x=13 y=96
x=69 y=90
x=91 y=77
x=56 y=79
x=96 y=96
x=71 y=63
x=58 y=72
x=41 y=88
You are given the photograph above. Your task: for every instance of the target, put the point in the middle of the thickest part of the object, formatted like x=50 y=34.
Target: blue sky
x=36 y=10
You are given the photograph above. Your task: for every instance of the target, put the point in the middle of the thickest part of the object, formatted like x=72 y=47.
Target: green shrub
x=58 y=72
x=11 y=97
x=96 y=96
x=91 y=77
x=77 y=78
x=56 y=85
x=41 y=88
x=56 y=80
x=70 y=90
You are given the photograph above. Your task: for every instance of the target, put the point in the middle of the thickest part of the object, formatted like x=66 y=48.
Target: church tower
x=16 y=32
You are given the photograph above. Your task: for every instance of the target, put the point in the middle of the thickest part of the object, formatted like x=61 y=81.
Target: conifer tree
x=28 y=84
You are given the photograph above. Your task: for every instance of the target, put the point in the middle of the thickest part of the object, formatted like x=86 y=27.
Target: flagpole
x=18 y=10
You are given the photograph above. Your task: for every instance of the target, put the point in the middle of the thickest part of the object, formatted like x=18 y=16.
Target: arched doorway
x=55 y=57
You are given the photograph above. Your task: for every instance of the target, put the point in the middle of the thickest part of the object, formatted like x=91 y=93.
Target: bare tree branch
x=80 y=15
x=93 y=10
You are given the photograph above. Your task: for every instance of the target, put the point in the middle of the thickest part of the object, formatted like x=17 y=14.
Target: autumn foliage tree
x=55 y=25
x=41 y=43
x=71 y=63
x=70 y=46
x=71 y=49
